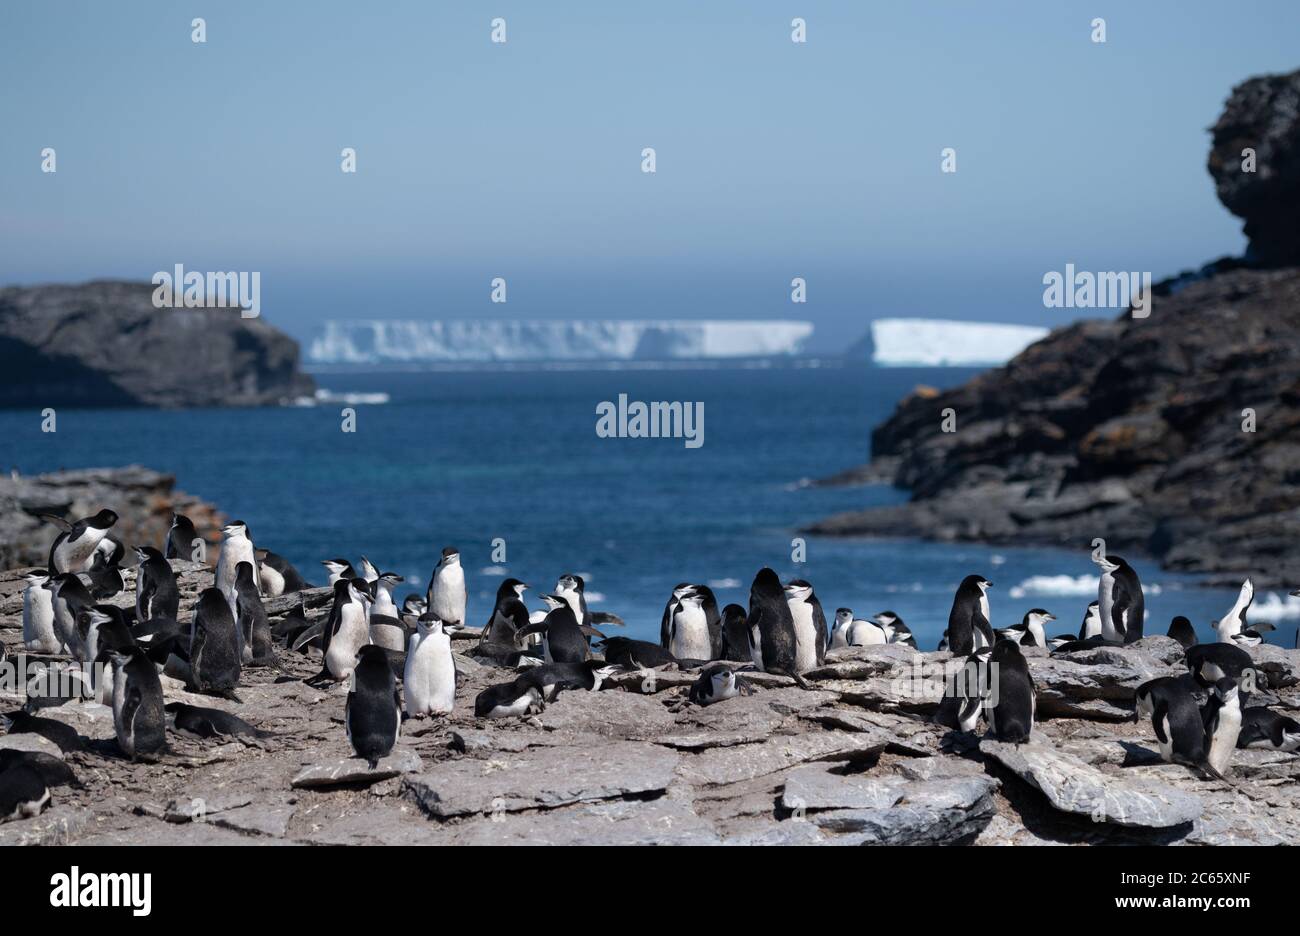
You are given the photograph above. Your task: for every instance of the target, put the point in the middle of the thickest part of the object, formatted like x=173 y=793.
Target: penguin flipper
x=1158 y=717
x=307 y=635
x=605 y=617
x=130 y=706
x=59 y=522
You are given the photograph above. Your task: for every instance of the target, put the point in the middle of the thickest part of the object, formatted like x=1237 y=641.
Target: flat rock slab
x=542 y=778
x=31 y=742
x=356 y=770
x=612 y=714
x=719 y=766
x=931 y=812
x=1073 y=786
x=815 y=787
x=663 y=821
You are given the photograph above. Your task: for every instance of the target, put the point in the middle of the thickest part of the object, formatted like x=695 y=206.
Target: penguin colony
x=398 y=664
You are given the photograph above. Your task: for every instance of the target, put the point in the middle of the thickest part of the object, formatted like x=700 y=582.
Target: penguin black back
x=180 y=538
x=215 y=656
x=735 y=639
x=372 y=714
x=635 y=654
x=1181 y=630
x=968 y=626
x=769 y=616
x=252 y=622
x=1012 y=714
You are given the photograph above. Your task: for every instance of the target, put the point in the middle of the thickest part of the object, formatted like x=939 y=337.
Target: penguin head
x=1038 y=616
x=414 y=604
x=885 y=619
x=1109 y=563
x=91 y=617
x=798 y=590
x=511 y=586
x=692 y=598
x=103 y=520
x=554 y=601
x=372 y=656
x=430 y=623
x=368 y=570
x=337 y=566
x=570 y=583
x=843 y=617
x=360 y=590
x=235 y=529
x=1225 y=690
x=681 y=589
x=389 y=580
x=38 y=579
x=450 y=557
x=600 y=672
x=722 y=681
x=145 y=553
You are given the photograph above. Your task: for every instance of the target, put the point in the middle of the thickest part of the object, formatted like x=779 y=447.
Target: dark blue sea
x=463 y=458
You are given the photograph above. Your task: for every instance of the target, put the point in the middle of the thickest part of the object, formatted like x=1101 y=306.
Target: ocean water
x=466 y=458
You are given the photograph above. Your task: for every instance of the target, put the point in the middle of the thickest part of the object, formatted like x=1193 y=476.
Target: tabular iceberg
x=937 y=342
x=378 y=341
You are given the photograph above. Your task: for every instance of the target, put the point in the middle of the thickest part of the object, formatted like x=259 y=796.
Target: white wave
x=329 y=397
x=1068 y=586
x=724 y=583
x=1274 y=607
x=372 y=341
x=497 y=570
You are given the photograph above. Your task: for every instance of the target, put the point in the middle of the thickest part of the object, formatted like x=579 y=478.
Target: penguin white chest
x=38 y=620
x=866 y=634
x=805 y=637
x=690 y=639
x=447 y=600
x=1224 y=740
x=429 y=683
x=352 y=635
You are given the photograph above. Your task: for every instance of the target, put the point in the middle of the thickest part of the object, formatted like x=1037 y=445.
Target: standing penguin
x=1181 y=630
x=250 y=619
x=69 y=599
x=446 y=595
x=38 y=615
x=509 y=614
x=968 y=621
x=1011 y=717
x=1234 y=622
x=1175 y=719
x=771 y=626
x=966 y=692
x=1091 y=625
x=386 y=628
x=429 y=681
x=809 y=625
x=681 y=589
x=74 y=548
x=573 y=590
x=138 y=715
x=1222 y=718
x=563 y=639
x=183 y=541
x=215 y=651
x=350 y=628
x=236 y=547
x=1120 y=601
x=735 y=635
x=155 y=586
x=688 y=629
x=371 y=714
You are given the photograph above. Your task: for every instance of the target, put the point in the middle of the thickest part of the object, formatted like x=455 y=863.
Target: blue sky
x=523 y=160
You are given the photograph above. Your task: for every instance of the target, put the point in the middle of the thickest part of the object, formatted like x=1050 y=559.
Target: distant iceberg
x=378 y=341
x=939 y=343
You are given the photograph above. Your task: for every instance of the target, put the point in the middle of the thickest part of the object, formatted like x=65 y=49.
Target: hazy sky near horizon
x=523 y=160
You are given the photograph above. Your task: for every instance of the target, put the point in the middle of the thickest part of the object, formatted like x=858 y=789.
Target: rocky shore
x=1174 y=435
x=104 y=343
x=856 y=759
x=145 y=498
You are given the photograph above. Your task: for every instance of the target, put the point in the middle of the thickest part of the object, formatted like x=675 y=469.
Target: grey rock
x=719 y=766
x=543 y=778
x=355 y=770
x=931 y=812
x=816 y=787
x=663 y=821
x=1073 y=786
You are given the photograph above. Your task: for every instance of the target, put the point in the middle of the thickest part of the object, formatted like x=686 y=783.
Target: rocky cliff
x=1177 y=434
x=105 y=344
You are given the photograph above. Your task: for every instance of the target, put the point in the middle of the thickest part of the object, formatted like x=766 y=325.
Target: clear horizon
x=522 y=160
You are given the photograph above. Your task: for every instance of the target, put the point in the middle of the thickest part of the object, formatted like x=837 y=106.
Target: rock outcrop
x=144 y=501
x=857 y=759
x=104 y=343
x=1175 y=435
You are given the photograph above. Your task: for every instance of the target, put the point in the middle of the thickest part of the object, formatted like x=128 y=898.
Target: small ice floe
x=997 y=559
x=324 y=397
x=724 y=583
x=1069 y=586
x=496 y=570
x=1273 y=607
